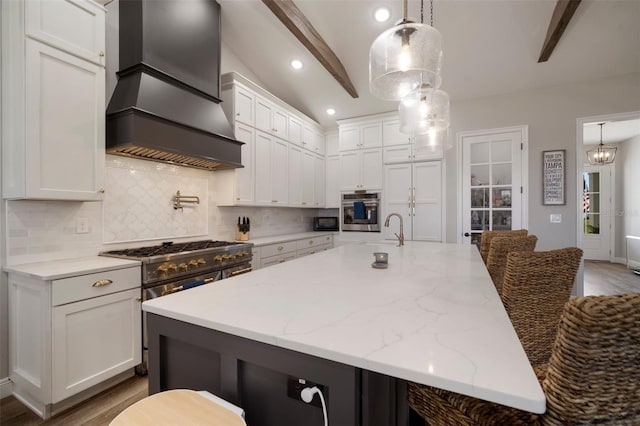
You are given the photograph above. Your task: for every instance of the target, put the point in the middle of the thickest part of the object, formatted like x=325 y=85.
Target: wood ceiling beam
x=292 y=18
x=562 y=14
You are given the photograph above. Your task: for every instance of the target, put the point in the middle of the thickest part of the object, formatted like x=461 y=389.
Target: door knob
x=466 y=234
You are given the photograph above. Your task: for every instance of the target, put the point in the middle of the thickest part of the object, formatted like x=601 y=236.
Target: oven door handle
x=187 y=286
x=240 y=271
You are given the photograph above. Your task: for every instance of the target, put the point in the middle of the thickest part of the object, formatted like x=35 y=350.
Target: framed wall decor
x=553 y=177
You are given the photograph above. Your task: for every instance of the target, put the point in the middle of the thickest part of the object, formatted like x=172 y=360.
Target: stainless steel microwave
x=328 y=223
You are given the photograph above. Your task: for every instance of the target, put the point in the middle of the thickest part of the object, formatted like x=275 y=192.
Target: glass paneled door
x=492 y=183
x=596 y=212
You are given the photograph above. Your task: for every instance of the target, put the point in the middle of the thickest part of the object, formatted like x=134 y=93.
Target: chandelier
x=405 y=58
x=601 y=154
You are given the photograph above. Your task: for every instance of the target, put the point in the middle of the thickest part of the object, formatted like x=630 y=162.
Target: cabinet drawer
x=280 y=248
x=82 y=287
x=274 y=260
x=312 y=242
x=313 y=250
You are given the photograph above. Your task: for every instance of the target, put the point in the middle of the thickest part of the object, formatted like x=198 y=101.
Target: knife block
x=242 y=236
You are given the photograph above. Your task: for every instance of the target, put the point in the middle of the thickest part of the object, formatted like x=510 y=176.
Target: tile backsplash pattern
x=138 y=205
x=46 y=230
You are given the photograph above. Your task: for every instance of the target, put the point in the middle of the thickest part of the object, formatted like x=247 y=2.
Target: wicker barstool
x=535 y=288
x=487 y=236
x=592 y=376
x=499 y=249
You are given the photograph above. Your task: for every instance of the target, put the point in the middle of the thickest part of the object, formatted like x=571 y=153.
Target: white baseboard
x=6 y=387
x=621 y=260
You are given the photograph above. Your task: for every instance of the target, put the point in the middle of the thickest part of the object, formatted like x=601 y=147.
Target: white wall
x=551 y=115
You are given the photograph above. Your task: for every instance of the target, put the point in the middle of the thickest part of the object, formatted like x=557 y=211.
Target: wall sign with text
x=553 y=166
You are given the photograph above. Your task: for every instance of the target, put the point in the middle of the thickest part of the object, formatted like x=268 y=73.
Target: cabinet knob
x=101 y=190
x=280 y=248
x=138 y=299
x=101 y=54
x=238 y=114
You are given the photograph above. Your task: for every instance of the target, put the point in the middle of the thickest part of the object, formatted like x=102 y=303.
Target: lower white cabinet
x=68 y=335
x=280 y=252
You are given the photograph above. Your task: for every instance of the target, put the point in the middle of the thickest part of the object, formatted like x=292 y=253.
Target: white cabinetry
x=53 y=84
x=414 y=190
x=280 y=252
x=400 y=148
x=360 y=136
x=282 y=164
x=332 y=200
x=361 y=169
x=319 y=181
x=271 y=185
x=72 y=334
x=270 y=118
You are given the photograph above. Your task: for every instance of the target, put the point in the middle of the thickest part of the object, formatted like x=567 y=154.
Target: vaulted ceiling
x=490 y=48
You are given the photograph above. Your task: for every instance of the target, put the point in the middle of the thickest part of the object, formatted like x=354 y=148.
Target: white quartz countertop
x=433 y=316
x=274 y=239
x=65 y=268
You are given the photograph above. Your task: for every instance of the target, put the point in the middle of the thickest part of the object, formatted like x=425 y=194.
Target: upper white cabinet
x=270 y=118
x=400 y=148
x=74 y=26
x=281 y=166
x=361 y=169
x=360 y=136
x=53 y=84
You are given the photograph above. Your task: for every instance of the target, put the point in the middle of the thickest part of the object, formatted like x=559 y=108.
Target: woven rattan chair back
x=498 y=251
x=594 y=371
x=487 y=236
x=535 y=288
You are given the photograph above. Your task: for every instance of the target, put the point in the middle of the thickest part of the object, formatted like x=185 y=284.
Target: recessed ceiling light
x=296 y=64
x=331 y=111
x=382 y=14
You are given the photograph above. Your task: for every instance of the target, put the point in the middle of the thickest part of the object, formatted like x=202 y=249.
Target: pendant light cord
x=406 y=8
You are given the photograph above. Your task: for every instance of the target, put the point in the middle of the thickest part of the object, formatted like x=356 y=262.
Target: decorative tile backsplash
x=139 y=203
x=137 y=210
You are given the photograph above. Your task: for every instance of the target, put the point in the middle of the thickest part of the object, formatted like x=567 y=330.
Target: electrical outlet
x=555 y=218
x=295 y=386
x=82 y=225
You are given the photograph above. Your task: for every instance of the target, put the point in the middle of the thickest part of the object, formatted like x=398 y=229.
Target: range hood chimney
x=165 y=106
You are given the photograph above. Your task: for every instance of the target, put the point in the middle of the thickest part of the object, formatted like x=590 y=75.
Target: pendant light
x=404 y=58
x=425 y=110
x=602 y=154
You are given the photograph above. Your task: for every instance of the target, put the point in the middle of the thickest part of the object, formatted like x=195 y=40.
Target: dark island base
x=259 y=378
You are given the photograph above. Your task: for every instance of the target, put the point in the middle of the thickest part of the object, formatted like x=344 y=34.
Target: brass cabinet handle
x=101 y=54
x=102 y=283
x=138 y=299
x=101 y=190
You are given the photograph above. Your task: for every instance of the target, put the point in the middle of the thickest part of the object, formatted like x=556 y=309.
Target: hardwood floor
x=604 y=278
x=96 y=411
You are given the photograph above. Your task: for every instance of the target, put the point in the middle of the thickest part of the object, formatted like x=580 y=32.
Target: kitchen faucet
x=401 y=236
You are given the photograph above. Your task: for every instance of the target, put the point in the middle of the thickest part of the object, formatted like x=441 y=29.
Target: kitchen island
x=433 y=317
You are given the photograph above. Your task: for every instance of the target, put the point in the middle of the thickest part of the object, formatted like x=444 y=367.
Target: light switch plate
x=82 y=225
x=555 y=218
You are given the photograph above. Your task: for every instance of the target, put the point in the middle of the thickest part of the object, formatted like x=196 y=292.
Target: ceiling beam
x=292 y=18
x=562 y=14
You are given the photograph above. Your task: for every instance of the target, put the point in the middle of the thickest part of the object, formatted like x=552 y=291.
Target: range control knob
x=201 y=262
x=183 y=267
x=193 y=264
x=217 y=258
x=162 y=271
x=172 y=268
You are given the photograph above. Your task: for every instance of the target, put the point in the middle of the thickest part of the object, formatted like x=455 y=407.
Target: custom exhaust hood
x=165 y=106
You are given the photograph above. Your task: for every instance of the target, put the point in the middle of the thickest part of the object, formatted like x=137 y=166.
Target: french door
x=596 y=212
x=493 y=181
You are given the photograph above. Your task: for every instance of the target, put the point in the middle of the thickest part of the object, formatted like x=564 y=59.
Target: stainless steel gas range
x=171 y=267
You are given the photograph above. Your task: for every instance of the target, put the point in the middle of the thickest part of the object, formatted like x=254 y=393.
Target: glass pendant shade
x=601 y=154
x=424 y=110
x=404 y=58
